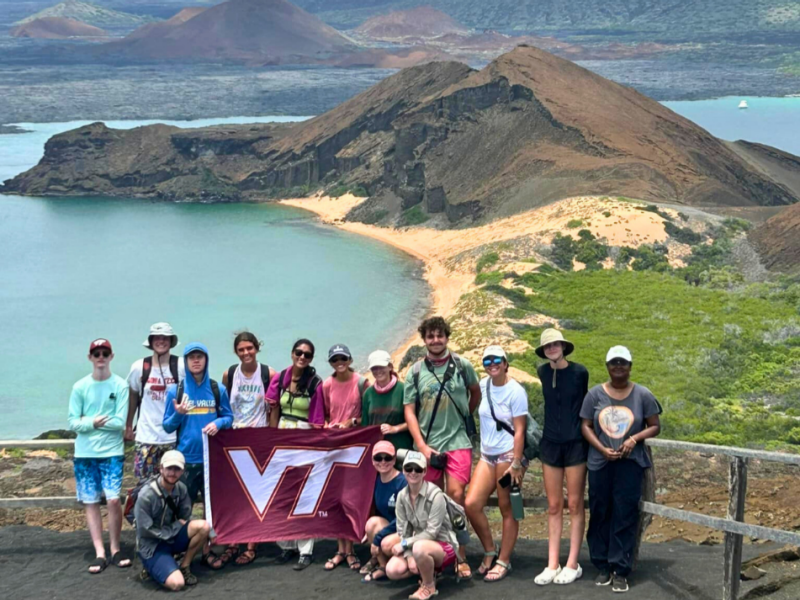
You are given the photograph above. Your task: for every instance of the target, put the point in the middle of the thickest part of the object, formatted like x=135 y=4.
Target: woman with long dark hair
x=295 y=398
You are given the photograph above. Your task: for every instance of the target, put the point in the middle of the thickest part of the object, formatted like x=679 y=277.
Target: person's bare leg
x=115 y=525
x=510 y=524
x=456 y=489
x=480 y=488
x=198 y=532
x=554 y=488
x=576 y=488
x=95 y=524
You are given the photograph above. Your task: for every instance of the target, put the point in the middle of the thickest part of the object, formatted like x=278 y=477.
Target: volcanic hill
x=778 y=240
x=258 y=31
x=92 y=14
x=528 y=129
x=56 y=28
x=420 y=22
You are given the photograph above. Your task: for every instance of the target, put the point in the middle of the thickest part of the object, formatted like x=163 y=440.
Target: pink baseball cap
x=384 y=446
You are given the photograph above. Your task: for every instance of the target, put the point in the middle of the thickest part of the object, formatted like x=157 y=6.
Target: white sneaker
x=568 y=575
x=547 y=576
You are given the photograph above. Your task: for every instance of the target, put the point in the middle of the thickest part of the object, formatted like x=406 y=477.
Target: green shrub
x=489 y=277
x=574 y=223
x=651 y=258
x=375 y=216
x=413 y=216
x=487 y=260
x=683 y=235
x=563 y=251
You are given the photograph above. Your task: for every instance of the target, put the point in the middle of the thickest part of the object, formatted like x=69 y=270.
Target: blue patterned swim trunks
x=94 y=476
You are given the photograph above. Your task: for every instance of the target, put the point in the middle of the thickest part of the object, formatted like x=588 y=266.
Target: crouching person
x=163 y=527
x=425 y=541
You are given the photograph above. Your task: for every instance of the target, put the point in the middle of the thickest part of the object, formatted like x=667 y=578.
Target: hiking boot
x=144 y=575
x=285 y=556
x=188 y=577
x=603 y=578
x=620 y=584
x=304 y=562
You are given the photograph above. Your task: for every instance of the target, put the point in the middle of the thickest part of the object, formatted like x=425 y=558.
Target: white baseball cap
x=173 y=458
x=619 y=352
x=415 y=458
x=380 y=358
x=494 y=351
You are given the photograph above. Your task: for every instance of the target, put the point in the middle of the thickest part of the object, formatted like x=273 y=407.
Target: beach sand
x=621 y=222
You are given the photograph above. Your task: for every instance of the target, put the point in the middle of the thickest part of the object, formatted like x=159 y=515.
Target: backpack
x=458 y=518
x=313 y=383
x=147 y=368
x=533 y=433
x=264 y=377
x=469 y=420
x=214 y=390
x=133 y=496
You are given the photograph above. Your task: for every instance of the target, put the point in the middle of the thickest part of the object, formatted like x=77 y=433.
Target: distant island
x=86 y=12
x=56 y=28
x=12 y=129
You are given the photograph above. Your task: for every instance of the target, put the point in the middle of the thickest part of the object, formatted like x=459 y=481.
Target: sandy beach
x=620 y=222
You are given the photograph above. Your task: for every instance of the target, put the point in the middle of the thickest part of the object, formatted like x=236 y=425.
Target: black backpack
x=264 y=377
x=313 y=383
x=147 y=368
x=133 y=496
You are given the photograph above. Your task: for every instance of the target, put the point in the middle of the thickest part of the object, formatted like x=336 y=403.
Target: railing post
x=648 y=495
x=737 y=487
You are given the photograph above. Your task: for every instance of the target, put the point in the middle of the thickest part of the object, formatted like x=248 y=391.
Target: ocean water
x=771 y=121
x=73 y=269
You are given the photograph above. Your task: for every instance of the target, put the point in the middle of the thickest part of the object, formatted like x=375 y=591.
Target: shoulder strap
x=462 y=370
x=179 y=393
x=281 y=377
x=174 y=368
x=147 y=367
x=502 y=424
x=231 y=373
x=448 y=374
x=415 y=378
x=215 y=391
x=313 y=384
x=264 y=377
x=362 y=385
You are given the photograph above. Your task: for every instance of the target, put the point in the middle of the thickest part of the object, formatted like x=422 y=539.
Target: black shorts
x=194 y=479
x=564 y=454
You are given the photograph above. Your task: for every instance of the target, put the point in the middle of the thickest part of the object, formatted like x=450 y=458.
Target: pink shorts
x=449 y=556
x=459 y=465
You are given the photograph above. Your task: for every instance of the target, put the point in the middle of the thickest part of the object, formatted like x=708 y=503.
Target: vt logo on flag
x=278 y=484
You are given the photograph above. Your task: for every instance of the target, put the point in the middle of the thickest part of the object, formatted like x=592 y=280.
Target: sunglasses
x=412 y=469
x=492 y=360
x=383 y=457
x=307 y=355
x=337 y=359
x=99 y=353
x=618 y=362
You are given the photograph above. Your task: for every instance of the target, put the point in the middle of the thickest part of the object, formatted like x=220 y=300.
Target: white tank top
x=247 y=400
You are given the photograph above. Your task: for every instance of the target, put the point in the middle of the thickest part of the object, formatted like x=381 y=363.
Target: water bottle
x=517 y=508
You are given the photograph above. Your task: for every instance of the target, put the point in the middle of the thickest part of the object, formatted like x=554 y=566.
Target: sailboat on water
x=743 y=104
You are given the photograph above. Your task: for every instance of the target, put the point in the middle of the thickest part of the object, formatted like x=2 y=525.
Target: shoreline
x=447 y=286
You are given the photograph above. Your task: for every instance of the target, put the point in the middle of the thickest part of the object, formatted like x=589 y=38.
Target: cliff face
x=778 y=240
x=528 y=129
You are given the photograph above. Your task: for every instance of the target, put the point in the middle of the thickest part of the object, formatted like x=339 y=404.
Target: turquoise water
x=771 y=121
x=80 y=268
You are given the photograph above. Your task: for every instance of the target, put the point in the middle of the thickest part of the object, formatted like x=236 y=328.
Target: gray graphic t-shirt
x=617 y=420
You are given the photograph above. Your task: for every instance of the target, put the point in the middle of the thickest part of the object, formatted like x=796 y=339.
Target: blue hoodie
x=203 y=412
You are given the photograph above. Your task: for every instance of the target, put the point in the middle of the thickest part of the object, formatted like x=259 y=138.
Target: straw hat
x=553 y=335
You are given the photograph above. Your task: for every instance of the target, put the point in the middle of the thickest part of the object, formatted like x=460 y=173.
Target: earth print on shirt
x=616 y=421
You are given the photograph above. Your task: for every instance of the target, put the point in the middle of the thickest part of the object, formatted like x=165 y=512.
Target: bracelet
x=633 y=438
x=516 y=464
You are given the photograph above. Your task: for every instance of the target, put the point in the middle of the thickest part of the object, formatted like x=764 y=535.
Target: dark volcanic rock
x=778 y=240
x=528 y=129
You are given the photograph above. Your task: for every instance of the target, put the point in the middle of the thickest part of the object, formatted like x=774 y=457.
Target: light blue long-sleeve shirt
x=90 y=399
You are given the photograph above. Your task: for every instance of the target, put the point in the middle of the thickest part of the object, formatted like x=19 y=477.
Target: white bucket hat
x=161 y=329
x=380 y=358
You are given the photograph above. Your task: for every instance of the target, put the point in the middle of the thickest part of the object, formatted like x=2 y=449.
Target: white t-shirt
x=149 y=428
x=247 y=399
x=509 y=401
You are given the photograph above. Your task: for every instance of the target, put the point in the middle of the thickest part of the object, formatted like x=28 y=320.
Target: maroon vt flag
x=266 y=485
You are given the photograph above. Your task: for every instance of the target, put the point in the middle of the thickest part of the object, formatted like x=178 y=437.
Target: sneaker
x=620 y=584
x=304 y=562
x=144 y=575
x=285 y=556
x=603 y=578
x=188 y=576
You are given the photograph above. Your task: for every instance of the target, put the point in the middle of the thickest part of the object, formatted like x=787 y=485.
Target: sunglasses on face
x=337 y=359
x=492 y=360
x=383 y=458
x=619 y=362
x=307 y=355
x=99 y=353
x=411 y=469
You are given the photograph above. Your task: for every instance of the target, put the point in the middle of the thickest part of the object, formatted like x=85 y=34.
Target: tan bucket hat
x=553 y=335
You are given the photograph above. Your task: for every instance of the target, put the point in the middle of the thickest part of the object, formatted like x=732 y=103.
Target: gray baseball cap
x=339 y=350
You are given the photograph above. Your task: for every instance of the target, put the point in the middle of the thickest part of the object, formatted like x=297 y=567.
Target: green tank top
x=295 y=407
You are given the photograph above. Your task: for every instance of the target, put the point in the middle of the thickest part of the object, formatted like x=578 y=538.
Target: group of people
x=428 y=428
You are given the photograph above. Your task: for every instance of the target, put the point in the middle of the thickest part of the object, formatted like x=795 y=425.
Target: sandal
x=376 y=575
x=371 y=565
x=463 y=572
x=246 y=557
x=568 y=575
x=99 y=563
x=212 y=561
x=483 y=569
x=547 y=576
x=424 y=592
x=230 y=553
x=499 y=576
x=332 y=563
x=119 y=558
x=354 y=565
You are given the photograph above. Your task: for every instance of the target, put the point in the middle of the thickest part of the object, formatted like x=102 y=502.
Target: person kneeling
x=425 y=541
x=163 y=527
